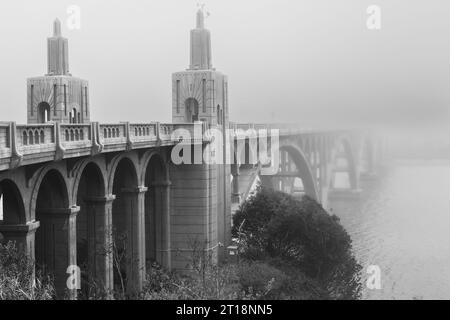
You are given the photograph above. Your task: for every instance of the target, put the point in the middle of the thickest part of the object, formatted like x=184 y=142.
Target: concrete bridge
x=109 y=198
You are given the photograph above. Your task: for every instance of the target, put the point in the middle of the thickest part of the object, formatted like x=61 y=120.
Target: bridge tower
x=57 y=96
x=200 y=93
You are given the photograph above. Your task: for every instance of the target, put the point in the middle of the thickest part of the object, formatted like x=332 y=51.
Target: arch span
x=127 y=227
x=157 y=218
x=13 y=209
x=304 y=170
x=345 y=144
x=92 y=232
x=55 y=247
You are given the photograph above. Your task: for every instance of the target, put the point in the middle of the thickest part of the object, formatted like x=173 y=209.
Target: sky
x=311 y=62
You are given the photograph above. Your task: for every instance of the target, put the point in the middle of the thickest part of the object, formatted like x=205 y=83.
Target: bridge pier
x=157 y=224
x=56 y=245
x=100 y=254
x=134 y=205
x=23 y=235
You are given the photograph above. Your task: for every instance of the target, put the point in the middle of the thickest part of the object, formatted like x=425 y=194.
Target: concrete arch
x=92 y=228
x=127 y=223
x=157 y=213
x=145 y=161
x=13 y=205
x=54 y=181
x=304 y=168
x=78 y=171
x=351 y=161
x=54 y=248
x=36 y=181
x=112 y=170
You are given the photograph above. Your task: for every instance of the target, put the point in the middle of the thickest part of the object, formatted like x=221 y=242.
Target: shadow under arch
x=126 y=227
x=54 y=249
x=13 y=208
x=157 y=218
x=92 y=226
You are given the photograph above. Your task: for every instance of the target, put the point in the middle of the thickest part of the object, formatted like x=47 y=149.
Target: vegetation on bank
x=288 y=249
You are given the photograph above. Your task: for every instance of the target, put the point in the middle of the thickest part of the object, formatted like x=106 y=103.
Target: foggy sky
x=312 y=62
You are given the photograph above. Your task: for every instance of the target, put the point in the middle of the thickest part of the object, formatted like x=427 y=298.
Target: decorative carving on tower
x=57 y=96
x=200 y=93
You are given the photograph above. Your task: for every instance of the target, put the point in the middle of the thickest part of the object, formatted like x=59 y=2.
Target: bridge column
x=235 y=194
x=99 y=214
x=134 y=198
x=323 y=179
x=23 y=235
x=57 y=249
x=163 y=225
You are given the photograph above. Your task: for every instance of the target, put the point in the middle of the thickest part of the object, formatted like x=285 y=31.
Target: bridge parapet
x=34 y=143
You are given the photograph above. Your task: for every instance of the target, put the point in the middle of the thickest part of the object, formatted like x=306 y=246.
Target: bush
x=302 y=236
x=18 y=280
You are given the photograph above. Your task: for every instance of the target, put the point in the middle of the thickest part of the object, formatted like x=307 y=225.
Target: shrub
x=18 y=280
x=301 y=235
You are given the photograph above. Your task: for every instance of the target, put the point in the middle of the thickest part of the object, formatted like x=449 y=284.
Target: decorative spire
x=58 y=52
x=57 y=28
x=200 y=45
x=200 y=19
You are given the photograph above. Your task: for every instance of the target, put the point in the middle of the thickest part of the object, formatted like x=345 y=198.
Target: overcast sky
x=313 y=62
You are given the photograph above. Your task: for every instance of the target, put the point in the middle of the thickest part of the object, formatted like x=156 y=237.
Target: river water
x=401 y=223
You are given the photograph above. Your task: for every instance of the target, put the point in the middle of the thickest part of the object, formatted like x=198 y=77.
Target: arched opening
x=73 y=116
x=191 y=106
x=344 y=174
x=55 y=249
x=12 y=210
x=91 y=191
x=123 y=208
x=294 y=175
x=156 y=219
x=43 y=112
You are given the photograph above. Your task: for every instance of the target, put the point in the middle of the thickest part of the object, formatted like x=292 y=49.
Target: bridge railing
x=5 y=139
x=75 y=135
x=36 y=138
x=143 y=132
x=112 y=133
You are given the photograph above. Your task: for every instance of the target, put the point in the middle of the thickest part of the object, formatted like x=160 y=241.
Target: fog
x=311 y=62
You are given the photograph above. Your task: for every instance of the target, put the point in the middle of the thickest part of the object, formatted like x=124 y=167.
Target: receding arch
x=303 y=170
x=344 y=162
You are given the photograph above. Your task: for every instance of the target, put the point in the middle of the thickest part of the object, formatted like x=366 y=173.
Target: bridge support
x=134 y=205
x=23 y=235
x=99 y=214
x=56 y=248
x=157 y=224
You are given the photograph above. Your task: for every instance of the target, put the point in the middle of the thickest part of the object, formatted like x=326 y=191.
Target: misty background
x=310 y=62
